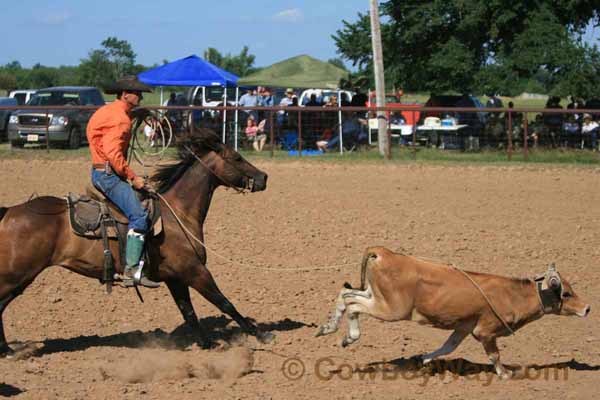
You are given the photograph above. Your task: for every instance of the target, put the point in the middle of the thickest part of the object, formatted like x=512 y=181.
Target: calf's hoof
x=324 y=330
x=347 y=341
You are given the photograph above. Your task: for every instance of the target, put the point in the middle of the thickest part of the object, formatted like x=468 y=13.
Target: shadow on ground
x=218 y=328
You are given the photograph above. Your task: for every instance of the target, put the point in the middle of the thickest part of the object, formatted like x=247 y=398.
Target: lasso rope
x=228 y=260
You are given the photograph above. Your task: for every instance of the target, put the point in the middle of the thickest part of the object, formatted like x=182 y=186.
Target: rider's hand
x=138 y=183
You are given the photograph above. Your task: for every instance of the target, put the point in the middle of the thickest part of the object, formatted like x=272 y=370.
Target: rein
x=227 y=183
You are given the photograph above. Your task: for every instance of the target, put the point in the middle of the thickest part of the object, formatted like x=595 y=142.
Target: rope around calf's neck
x=228 y=260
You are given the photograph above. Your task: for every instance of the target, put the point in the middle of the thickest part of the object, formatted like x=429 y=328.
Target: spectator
x=359 y=99
x=265 y=98
x=313 y=101
x=351 y=134
x=494 y=101
x=553 y=121
x=286 y=101
x=249 y=99
x=344 y=101
x=589 y=130
x=261 y=136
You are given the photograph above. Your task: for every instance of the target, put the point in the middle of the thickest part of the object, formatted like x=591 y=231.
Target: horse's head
x=226 y=164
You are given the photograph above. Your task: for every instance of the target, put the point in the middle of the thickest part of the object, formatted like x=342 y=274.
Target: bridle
x=249 y=180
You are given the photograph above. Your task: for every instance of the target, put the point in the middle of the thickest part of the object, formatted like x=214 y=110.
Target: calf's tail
x=369 y=254
x=3 y=211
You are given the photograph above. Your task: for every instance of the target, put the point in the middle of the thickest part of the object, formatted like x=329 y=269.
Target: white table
x=443 y=130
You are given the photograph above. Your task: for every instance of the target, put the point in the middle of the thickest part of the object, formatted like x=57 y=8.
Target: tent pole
x=224 y=112
x=340 y=120
x=161 y=95
x=237 y=101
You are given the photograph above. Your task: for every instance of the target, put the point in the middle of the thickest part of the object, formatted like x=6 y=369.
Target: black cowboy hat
x=127 y=84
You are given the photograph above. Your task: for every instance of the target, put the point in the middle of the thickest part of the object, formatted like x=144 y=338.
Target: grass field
x=399 y=155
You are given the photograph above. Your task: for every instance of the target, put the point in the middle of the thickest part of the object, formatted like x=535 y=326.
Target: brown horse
x=37 y=234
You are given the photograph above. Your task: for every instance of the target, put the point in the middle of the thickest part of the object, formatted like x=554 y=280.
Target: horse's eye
x=567 y=295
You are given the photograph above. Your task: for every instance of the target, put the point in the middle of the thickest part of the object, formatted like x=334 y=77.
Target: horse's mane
x=200 y=141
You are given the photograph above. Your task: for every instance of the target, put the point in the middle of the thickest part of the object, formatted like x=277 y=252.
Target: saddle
x=87 y=210
x=94 y=216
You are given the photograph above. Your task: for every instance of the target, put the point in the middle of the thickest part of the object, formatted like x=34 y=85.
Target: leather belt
x=106 y=168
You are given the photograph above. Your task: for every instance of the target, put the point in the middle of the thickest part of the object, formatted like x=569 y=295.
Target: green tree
x=470 y=45
x=115 y=59
x=8 y=81
x=338 y=62
x=240 y=64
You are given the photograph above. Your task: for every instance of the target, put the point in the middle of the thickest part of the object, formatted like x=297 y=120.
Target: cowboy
x=108 y=134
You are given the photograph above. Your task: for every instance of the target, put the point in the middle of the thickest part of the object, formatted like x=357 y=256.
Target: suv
x=22 y=96
x=65 y=127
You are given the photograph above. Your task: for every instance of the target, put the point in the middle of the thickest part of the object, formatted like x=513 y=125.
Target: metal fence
x=310 y=130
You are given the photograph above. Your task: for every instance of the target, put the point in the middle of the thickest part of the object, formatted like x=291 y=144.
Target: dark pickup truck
x=66 y=128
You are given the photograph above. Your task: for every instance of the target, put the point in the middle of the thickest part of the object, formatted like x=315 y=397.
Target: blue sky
x=55 y=32
x=64 y=31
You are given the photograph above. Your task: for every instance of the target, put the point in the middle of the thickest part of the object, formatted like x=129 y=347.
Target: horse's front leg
x=204 y=283
x=181 y=295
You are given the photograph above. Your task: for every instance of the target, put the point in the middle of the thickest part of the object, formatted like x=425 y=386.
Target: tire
x=74 y=139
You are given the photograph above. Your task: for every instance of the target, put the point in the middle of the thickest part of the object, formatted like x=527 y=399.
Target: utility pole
x=382 y=136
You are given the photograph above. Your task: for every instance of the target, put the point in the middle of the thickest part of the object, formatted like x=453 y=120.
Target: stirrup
x=138 y=279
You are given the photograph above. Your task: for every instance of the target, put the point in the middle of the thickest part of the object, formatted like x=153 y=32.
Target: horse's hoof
x=6 y=352
x=265 y=337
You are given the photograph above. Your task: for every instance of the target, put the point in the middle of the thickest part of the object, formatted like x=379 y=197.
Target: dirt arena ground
x=79 y=343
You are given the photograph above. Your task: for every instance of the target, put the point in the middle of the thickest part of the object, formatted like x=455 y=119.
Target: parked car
x=22 y=96
x=323 y=95
x=65 y=127
x=5 y=114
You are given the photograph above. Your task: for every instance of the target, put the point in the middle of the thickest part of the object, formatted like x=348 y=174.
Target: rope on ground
x=230 y=261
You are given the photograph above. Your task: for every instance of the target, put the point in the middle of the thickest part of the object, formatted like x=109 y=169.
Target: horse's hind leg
x=4 y=347
x=204 y=283
x=181 y=295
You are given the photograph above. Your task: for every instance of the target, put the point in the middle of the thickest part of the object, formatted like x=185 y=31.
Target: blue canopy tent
x=190 y=71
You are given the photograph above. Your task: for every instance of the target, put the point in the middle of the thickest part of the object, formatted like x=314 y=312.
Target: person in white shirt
x=589 y=129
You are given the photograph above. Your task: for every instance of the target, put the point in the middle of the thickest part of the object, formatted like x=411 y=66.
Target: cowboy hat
x=289 y=90
x=587 y=116
x=127 y=84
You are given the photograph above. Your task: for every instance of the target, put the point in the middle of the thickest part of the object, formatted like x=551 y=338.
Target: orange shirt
x=108 y=134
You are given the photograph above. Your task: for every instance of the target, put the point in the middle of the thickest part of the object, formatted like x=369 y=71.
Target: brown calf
x=397 y=287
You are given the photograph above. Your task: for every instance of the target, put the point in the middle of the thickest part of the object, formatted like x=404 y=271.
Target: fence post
x=414 y=136
x=510 y=132
x=525 y=137
x=271 y=133
x=47 y=133
x=300 y=133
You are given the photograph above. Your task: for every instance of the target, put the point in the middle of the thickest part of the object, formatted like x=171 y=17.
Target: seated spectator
x=251 y=128
x=261 y=136
x=589 y=131
x=352 y=134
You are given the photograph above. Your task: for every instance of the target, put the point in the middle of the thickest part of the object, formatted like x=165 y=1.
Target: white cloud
x=54 y=18
x=290 y=15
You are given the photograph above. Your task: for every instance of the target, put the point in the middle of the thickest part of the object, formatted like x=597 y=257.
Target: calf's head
x=558 y=297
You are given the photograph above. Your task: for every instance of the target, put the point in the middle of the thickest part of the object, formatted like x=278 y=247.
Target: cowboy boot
x=133 y=252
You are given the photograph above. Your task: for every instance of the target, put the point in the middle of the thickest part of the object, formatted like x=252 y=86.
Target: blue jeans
x=122 y=194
